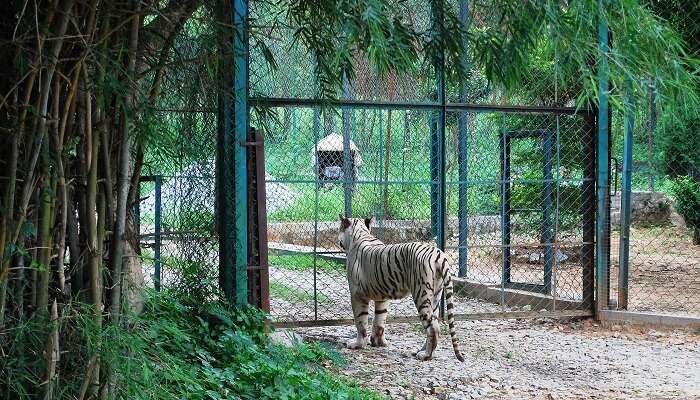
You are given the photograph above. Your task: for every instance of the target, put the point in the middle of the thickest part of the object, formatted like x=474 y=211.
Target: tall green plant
x=686 y=192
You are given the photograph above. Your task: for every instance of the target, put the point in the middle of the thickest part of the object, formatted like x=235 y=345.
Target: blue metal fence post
x=434 y=172
x=437 y=160
x=439 y=166
x=348 y=169
x=504 y=149
x=157 y=233
x=548 y=140
x=602 y=182
x=232 y=202
x=462 y=161
x=625 y=200
x=316 y=128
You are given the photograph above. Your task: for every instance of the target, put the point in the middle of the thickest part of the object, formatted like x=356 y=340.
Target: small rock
x=655 y=334
x=527 y=307
x=534 y=257
x=439 y=389
x=285 y=337
x=457 y=396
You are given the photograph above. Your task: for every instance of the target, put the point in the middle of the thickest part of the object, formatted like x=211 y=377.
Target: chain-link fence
x=664 y=246
x=542 y=161
x=514 y=192
x=663 y=267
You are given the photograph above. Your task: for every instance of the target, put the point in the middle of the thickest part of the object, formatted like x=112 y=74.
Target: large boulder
x=648 y=209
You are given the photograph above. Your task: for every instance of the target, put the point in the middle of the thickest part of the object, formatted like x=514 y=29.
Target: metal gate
x=512 y=192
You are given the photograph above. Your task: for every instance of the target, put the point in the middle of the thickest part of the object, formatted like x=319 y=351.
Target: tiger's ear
x=369 y=221
x=344 y=222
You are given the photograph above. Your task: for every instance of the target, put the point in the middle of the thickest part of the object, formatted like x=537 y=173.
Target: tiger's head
x=347 y=227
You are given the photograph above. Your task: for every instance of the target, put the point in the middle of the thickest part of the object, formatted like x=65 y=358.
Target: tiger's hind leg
x=380 y=313
x=360 y=307
x=424 y=304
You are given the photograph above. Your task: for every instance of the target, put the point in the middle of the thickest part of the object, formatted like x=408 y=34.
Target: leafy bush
x=176 y=349
x=687 y=195
x=679 y=144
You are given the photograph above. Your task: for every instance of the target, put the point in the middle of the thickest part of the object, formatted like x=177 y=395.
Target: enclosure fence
x=508 y=190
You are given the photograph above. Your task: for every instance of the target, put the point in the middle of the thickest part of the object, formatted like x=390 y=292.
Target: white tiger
x=381 y=272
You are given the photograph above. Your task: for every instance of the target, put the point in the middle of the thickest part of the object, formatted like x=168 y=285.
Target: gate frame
x=546 y=135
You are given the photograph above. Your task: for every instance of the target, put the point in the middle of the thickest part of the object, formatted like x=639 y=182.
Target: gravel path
x=534 y=359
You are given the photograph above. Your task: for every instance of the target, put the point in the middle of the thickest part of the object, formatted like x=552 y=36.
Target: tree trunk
x=696 y=235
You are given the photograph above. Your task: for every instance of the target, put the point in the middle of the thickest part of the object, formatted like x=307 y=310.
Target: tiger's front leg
x=360 y=307
x=380 y=313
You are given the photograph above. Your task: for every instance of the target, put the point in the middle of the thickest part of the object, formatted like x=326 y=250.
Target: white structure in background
x=198 y=191
x=327 y=158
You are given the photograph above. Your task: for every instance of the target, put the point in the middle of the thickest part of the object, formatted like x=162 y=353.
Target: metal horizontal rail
x=557 y=244
x=423 y=182
x=458 y=317
x=434 y=106
x=152 y=178
x=387 y=105
x=518 y=245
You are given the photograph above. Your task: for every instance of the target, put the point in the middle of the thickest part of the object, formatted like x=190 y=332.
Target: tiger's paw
x=423 y=355
x=355 y=344
x=378 y=341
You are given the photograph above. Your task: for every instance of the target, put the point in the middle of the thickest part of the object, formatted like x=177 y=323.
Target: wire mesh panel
x=520 y=210
x=389 y=177
x=179 y=244
x=663 y=267
x=385 y=168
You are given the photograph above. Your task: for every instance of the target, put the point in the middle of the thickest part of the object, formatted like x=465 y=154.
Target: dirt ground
x=527 y=359
x=664 y=273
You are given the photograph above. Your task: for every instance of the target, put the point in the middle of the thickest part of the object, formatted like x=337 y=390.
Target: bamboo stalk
x=123 y=180
x=57 y=150
x=76 y=265
x=9 y=207
x=94 y=256
x=45 y=89
x=91 y=366
x=44 y=236
x=53 y=354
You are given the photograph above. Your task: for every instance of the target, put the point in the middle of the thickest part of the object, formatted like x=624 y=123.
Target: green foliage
x=686 y=192
x=179 y=349
x=679 y=142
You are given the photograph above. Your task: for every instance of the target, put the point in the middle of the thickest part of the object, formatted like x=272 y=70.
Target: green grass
x=295 y=295
x=304 y=262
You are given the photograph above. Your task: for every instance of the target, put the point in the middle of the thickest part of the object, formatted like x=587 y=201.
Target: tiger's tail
x=449 y=291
